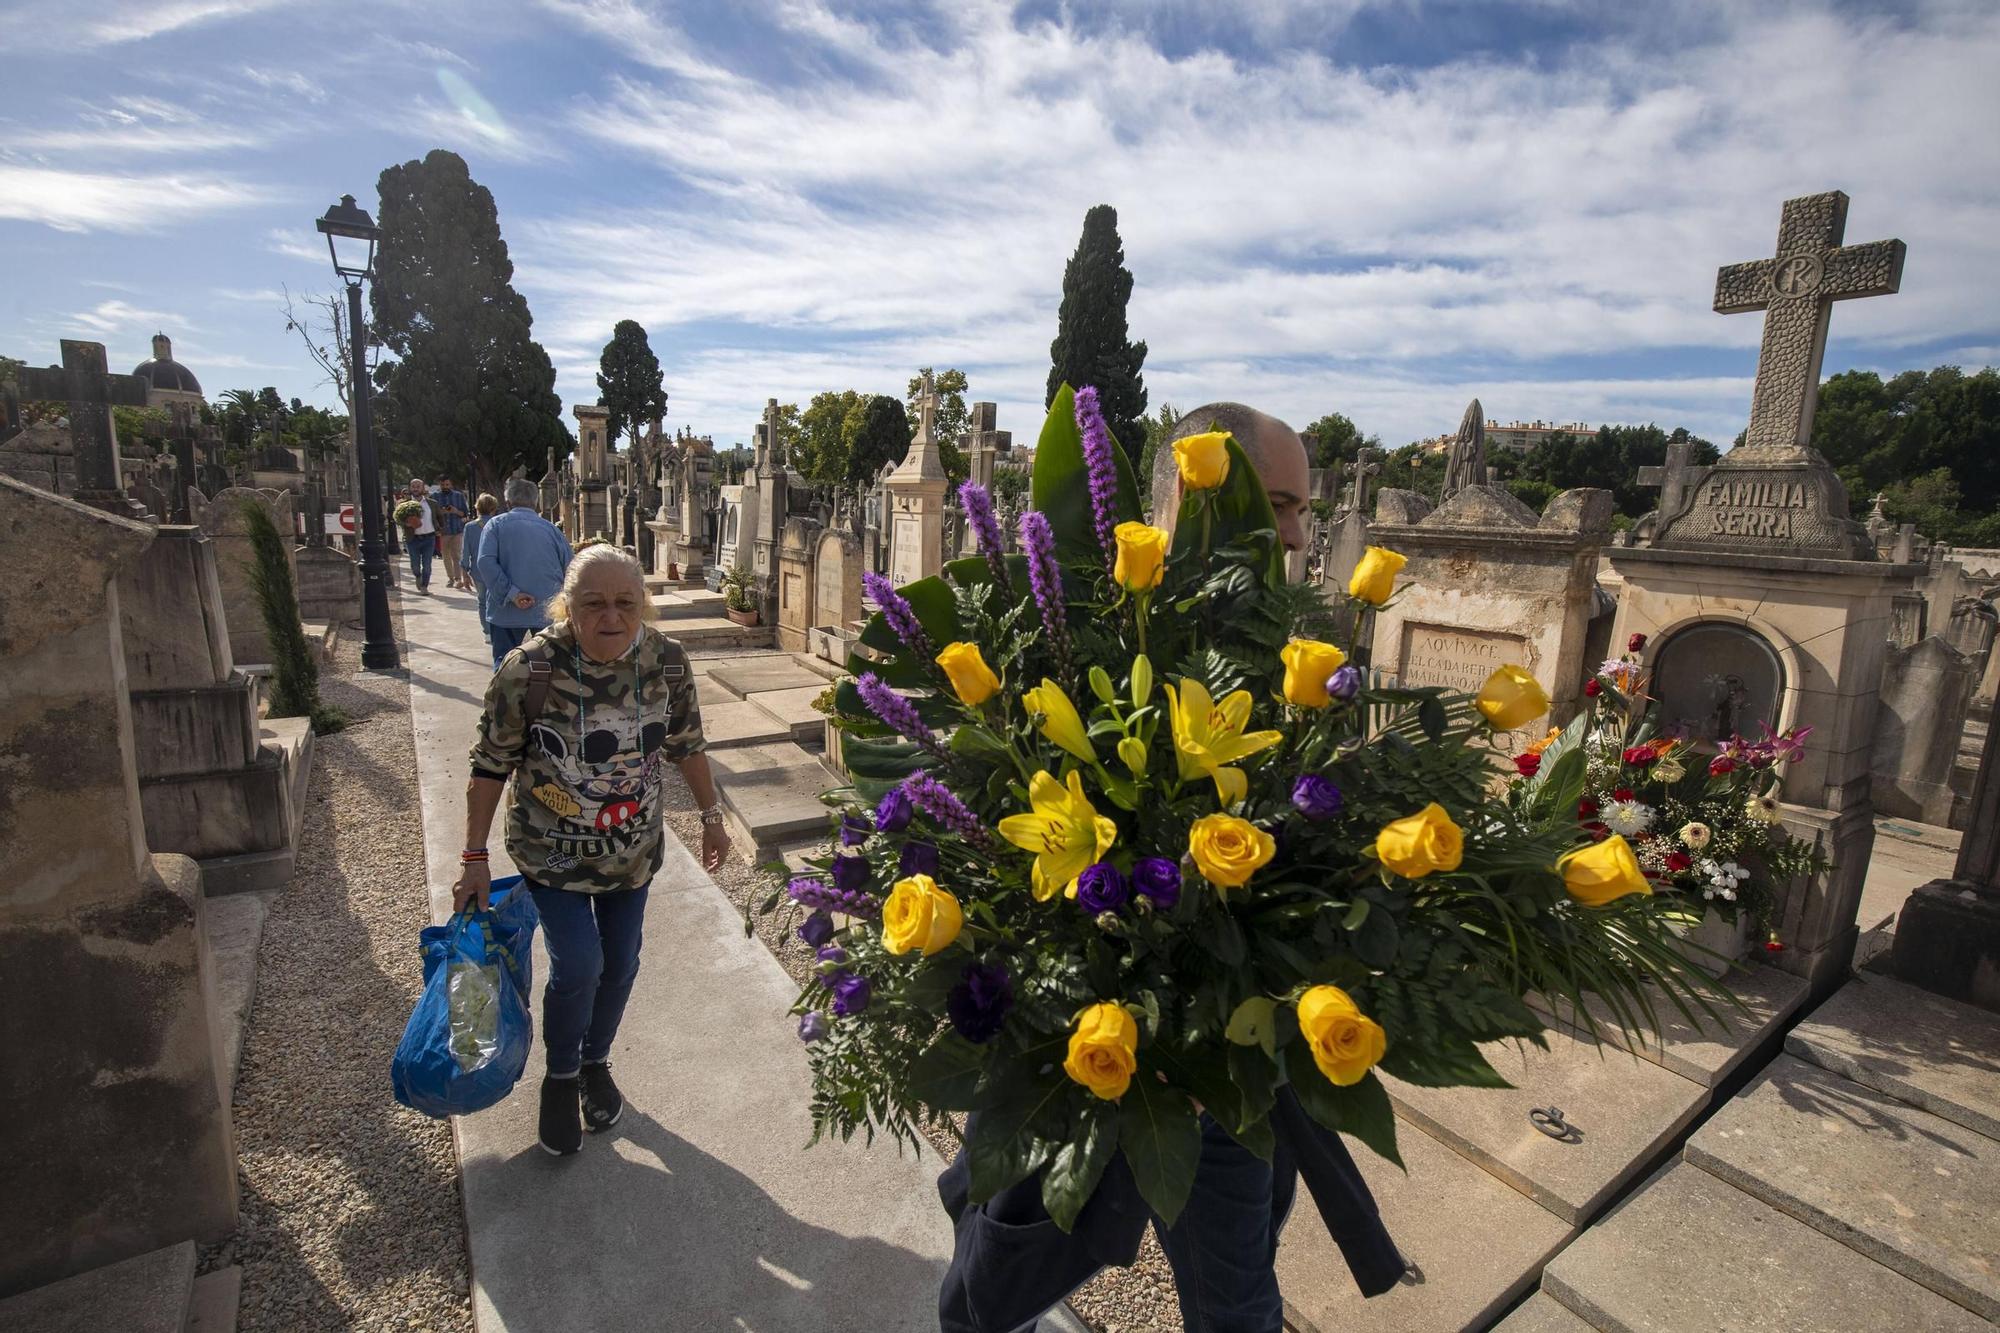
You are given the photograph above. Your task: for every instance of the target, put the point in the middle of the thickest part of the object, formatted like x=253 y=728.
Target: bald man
x=1276 y=450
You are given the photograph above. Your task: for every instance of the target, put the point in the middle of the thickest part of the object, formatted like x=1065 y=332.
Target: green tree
x=629 y=382
x=826 y=436
x=1336 y=439
x=1158 y=427
x=1610 y=460
x=953 y=418
x=241 y=416
x=1889 y=437
x=1092 y=344
x=881 y=439
x=1412 y=468
x=469 y=382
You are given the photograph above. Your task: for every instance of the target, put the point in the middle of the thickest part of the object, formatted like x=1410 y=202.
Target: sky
x=1377 y=207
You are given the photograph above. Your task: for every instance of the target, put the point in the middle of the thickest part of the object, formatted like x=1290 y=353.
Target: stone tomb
x=223 y=520
x=796 y=585
x=121 y=1141
x=836 y=595
x=329 y=585
x=917 y=501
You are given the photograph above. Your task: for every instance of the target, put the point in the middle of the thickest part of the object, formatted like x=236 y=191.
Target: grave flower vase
x=1715 y=942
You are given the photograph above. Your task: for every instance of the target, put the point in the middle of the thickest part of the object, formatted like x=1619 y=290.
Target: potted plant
x=739 y=596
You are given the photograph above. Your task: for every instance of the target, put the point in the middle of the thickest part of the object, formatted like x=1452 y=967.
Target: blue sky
x=1377 y=208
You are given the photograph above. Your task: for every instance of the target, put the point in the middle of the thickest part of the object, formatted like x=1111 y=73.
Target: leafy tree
x=241 y=416
x=1336 y=440
x=1412 y=468
x=1158 y=427
x=954 y=418
x=628 y=381
x=826 y=434
x=1092 y=344
x=1892 y=437
x=470 y=383
x=1610 y=460
x=881 y=439
x=141 y=423
x=294 y=670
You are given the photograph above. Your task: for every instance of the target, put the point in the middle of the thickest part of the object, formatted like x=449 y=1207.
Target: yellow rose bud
x=1510 y=698
x=1308 y=663
x=1375 y=577
x=970 y=676
x=1229 y=850
x=1133 y=751
x=1104 y=1051
x=1142 y=556
x=1345 y=1042
x=920 y=915
x=1602 y=872
x=1203 y=460
x=1061 y=722
x=1415 y=845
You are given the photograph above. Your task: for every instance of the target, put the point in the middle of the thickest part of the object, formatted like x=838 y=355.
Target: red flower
x=1720 y=765
x=1585 y=808
x=1597 y=830
x=1622 y=794
x=1592 y=688
x=1774 y=945
x=1640 y=754
x=1527 y=765
x=1635 y=643
x=1678 y=861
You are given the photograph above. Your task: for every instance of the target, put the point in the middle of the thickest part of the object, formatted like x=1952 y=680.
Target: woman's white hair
x=590 y=557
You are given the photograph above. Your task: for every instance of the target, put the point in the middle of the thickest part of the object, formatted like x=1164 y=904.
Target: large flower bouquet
x=1127 y=838
x=1702 y=819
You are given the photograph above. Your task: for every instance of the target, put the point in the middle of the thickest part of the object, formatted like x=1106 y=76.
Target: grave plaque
x=906 y=549
x=1458 y=659
x=1717 y=680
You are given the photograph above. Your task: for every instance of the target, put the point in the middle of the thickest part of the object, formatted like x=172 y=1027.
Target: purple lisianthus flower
x=851 y=993
x=813 y=1026
x=1344 y=683
x=850 y=873
x=978 y=1004
x=832 y=953
x=1100 y=888
x=854 y=830
x=1159 y=879
x=1317 y=797
x=920 y=858
x=817 y=929
x=893 y=814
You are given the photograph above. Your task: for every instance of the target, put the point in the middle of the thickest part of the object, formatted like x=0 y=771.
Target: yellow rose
x=1415 y=845
x=920 y=915
x=1060 y=721
x=1203 y=460
x=1104 y=1050
x=1602 y=872
x=1510 y=698
x=970 y=676
x=1345 y=1042
x=1375 y=577
x=1142 y=556
x=1229 y=850
x=1308 y=663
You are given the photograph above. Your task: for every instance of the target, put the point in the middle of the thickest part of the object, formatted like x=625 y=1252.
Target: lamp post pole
x=378 y=648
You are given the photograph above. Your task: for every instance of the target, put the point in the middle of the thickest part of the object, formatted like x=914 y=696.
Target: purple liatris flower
x=1101 y=889
x=1098 y=466
x=851 y=993
x=1159 y=879
x=978 y=505
x=1316 y=797
x=920 y=858
x=896 y=712
x=814 y=1027
x=897 y=611
x=1344 y=683
x=816 y=896
x=850 y=873
x=978 y=1004
x=945 y=809
x=854 y=830
x=893 y=812
x=1038 y=540
x=817 y=929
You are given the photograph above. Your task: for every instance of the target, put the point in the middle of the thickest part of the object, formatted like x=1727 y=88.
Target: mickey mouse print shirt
x=585 y=812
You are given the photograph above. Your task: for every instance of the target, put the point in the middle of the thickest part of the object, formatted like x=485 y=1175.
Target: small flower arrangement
x=410 y=513
x=1703 y=825
x=1128 y=833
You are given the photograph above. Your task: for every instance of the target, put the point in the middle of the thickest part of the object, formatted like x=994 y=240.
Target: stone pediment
x=1482 y=507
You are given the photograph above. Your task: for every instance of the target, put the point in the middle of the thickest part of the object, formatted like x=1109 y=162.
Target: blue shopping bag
x=467 y=1040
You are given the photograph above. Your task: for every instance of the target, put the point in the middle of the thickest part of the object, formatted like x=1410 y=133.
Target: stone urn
x=1715 y=943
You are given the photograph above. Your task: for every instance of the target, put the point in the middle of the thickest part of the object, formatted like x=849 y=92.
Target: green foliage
x=1092 y=344
x=825 y=442
x=1895 y=437
x=1610 y=461
x=1159 y=426
x=881 y=440
x=1061 y=485
x=954 y=418
x=739 y=588
x=1336 y=441
x=469 y=381
x=294 y=670
x=628 y=381
x=141 y=423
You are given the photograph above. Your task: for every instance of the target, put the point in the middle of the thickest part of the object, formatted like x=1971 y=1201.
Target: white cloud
x=113 y=317
x=287 y=81
x=103 y=201
x=137 y=22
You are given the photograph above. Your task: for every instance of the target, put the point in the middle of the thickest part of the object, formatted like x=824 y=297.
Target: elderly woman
x=483 y=508
x=582 y=716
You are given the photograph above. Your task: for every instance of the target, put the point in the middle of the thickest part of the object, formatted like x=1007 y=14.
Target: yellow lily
x=1063 y=830
x=1209 y=736
x=1061 y=722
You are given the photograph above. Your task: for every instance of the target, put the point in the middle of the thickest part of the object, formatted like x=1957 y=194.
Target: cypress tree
x=628 y=380
x=294 y=671
x=1092 y=346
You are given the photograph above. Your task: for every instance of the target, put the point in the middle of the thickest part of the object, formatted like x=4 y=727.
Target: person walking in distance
x=448 y=505
x=522 y=558
x=484 y=508
x=421 y=537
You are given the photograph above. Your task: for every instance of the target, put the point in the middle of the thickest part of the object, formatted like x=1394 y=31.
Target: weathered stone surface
x=1936 y=1054
x=762 y=675
x=770 y=794
x=1582 y=509
x=1543 y=1313
x=329 y=584
x=1709 y=1050
x=794 y=708
x=1625 y=1109
x=1393 y=505
x=1918 y=729
x=234 y=927
x=1693 y=1253
x=734 y=723
x=148 y=1293
x=170 y=614
x=1904 y=1187
x=1481 y=506
x=222 y=519
x=217 y=1297
x=1477 y=1243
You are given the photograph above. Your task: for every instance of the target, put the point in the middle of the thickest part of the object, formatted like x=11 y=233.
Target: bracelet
x=711 y=816
x=472 y=856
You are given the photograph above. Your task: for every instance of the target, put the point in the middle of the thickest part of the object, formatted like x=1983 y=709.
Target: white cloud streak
x=106 y=201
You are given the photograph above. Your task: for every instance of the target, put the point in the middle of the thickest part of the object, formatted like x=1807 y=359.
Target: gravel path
x=351 y=1216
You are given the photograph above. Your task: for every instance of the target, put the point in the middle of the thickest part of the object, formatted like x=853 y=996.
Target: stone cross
x=91 y=392
x=1796 y=289
x=1367 y=466
x=773 y=451
x=1671 y=479
x=927 y=406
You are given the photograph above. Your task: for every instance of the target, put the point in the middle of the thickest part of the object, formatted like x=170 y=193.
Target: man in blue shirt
x=449 y=506
x=522 y=557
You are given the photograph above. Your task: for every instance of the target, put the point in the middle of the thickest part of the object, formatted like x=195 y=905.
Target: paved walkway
x=702 y=1210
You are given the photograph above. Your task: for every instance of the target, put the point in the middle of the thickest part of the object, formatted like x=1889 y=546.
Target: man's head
x=522 y=494
x=444 y=483
x=1275 y=450
x=416 y=485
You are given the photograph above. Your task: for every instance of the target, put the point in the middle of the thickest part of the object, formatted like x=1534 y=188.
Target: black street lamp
x=350 y=238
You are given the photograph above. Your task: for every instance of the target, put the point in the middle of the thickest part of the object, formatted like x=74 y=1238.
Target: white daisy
x=1628 y=817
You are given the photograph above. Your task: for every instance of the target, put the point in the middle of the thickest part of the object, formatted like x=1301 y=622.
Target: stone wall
x=222 y=519
x=329 y=584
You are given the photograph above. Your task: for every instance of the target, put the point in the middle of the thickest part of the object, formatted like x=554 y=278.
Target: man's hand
x=714 y=846
x=523 y=600
x=475 y=881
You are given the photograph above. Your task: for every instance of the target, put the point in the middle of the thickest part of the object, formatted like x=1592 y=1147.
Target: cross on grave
x=91 y=391
x=1672 y=479
x=1367 y=466
x=773 y=452
x=927 y=406
x=1796 y=289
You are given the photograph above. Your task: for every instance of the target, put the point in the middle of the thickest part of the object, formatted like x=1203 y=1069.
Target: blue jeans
x=505 y=639
x=423 y=546
x=593 y=941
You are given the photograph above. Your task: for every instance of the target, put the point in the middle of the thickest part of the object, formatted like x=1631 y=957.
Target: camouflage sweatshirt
x=585 y=808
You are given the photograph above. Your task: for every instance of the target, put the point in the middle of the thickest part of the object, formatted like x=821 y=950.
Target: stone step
x=761 y=675
x=729 y=723
x=793 y=710
x=234 y=927
x=718 y=632
x=1936 y=1054
x=1909 y=1190
x=1543 y=1313
x=1709 y=1050
x=692 y=605
x=1691 y=1252
x=1475 y=1243
x=148 y=1293
x=771 y=797
x=218 y=1297
x=1626 y=1113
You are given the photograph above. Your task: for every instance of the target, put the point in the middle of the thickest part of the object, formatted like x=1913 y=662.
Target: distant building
x=1522 y=436
x=167 y=380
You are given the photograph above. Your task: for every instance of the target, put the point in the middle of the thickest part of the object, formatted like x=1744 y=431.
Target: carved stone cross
x=1796 y=289
x=91 y=392
x=1671 y=479
x=927 y=405
x=773 y=450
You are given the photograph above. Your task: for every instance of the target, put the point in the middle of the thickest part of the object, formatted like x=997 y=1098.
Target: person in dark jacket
x=1011 y=1262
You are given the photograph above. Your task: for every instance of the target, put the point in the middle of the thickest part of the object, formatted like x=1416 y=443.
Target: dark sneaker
x=602 y=1102
x=561 y=1130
